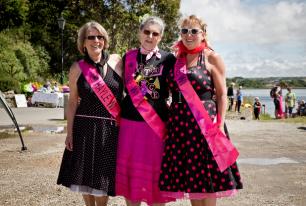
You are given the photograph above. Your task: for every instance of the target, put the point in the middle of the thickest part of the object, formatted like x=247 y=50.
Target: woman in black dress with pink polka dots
x=190 y=168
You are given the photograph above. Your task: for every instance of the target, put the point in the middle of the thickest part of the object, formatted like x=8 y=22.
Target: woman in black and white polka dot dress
x=89 y=160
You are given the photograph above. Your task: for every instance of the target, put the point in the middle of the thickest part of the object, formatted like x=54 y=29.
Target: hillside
x=268 y=82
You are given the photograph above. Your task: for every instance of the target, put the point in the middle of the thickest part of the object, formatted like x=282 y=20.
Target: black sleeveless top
x=200 y=79
x=90 y=104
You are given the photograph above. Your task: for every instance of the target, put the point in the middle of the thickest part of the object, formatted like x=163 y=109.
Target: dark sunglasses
x=99 y=37
x=191 y=31
x=147 y=32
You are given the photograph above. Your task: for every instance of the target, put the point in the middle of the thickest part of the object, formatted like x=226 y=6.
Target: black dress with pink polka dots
x=188 y=168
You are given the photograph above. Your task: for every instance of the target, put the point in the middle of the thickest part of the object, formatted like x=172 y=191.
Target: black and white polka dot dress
x=90 y=167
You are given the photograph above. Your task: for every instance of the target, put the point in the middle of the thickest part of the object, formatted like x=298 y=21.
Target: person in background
x=257 y=108
x=196 y=128
x=290 y=100
x=55 y=87
x=301 y=108
x=239 y=98
x=144 y=113
x=89 y=161
x=230 y=96
x=276 y=94
x=46 y=88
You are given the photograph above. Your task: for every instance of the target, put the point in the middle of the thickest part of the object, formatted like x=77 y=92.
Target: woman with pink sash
x=143 y=117
x=96 y=90
x=199 y=160
x=278 y=102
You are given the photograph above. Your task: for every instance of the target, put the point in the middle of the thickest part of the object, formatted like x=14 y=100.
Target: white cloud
x=234 y=20
x=268 y=68
x=255 y=38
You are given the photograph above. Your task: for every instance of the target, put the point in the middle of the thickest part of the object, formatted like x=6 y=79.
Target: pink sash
x=221 y=147
x=100 y=88
x=141 y=104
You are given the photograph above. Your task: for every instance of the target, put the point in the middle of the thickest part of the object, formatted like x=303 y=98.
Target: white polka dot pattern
x=92 y=162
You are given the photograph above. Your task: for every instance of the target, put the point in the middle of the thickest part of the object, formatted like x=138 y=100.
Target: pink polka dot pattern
x=188 y=165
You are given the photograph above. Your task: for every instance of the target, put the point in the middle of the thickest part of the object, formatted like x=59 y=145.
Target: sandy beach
x=272 y=162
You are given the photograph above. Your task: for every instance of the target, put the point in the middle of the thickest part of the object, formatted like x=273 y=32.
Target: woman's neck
x=144 y=50
x=192 y=60
x=96 y=58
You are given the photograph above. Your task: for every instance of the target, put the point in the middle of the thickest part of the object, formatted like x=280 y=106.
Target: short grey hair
x=153 y=20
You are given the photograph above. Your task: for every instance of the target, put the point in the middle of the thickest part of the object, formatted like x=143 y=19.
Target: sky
x=255 y=38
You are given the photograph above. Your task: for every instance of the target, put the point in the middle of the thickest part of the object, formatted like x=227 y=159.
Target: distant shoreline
x=268 y=82
x=271 y=87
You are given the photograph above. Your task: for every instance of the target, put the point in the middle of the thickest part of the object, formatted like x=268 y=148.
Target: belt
x=106 y=118
x=178 y=96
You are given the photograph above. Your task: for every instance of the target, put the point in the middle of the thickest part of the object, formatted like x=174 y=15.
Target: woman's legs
x=129 y=203
x=101 y=201
x=239 y=105
x=276 y=111
x=204 y=202
x=89 y=200
x=232 y=103
x=256 y=114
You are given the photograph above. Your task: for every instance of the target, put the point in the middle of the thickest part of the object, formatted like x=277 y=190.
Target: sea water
x=265 y=99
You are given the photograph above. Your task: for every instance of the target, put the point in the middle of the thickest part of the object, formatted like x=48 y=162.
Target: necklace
x=191 y=63
x=146 y=69
x=146 y=77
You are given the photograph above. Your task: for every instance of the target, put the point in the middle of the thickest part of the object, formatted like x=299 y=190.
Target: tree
x=169 y=11
x=20 y=61
x=120 y=18
x=13 y=13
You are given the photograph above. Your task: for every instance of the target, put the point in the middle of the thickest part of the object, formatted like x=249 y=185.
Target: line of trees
x=269 y=82
x=30 y=46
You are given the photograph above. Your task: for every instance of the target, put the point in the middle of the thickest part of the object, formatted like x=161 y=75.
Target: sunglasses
x=99 y=37
x=147 y=32
x=191 y=31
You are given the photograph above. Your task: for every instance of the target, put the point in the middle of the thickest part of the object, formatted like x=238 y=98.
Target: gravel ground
x=28 y=178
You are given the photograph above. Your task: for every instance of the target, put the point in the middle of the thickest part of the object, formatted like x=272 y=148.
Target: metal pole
x=11 y=114
x=62 y=55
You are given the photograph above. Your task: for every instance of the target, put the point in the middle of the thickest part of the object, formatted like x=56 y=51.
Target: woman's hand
x=68 y=143
x=73 y=102
x=222 y=129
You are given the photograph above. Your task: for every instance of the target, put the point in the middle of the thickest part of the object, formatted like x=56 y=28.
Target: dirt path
x=28 y=178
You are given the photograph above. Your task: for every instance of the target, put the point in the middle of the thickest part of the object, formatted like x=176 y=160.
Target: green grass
x=5 y=135
x=299 y=119
x=265 y=117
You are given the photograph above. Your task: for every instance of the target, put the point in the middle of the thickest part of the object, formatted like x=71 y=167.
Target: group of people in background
x=234 y=98
x=48 y=88
x=124 y=139
x=290 y=103
x=281 y=110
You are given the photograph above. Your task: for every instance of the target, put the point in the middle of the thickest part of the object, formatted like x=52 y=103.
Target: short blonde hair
x=194 y=20
x=83 y=32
